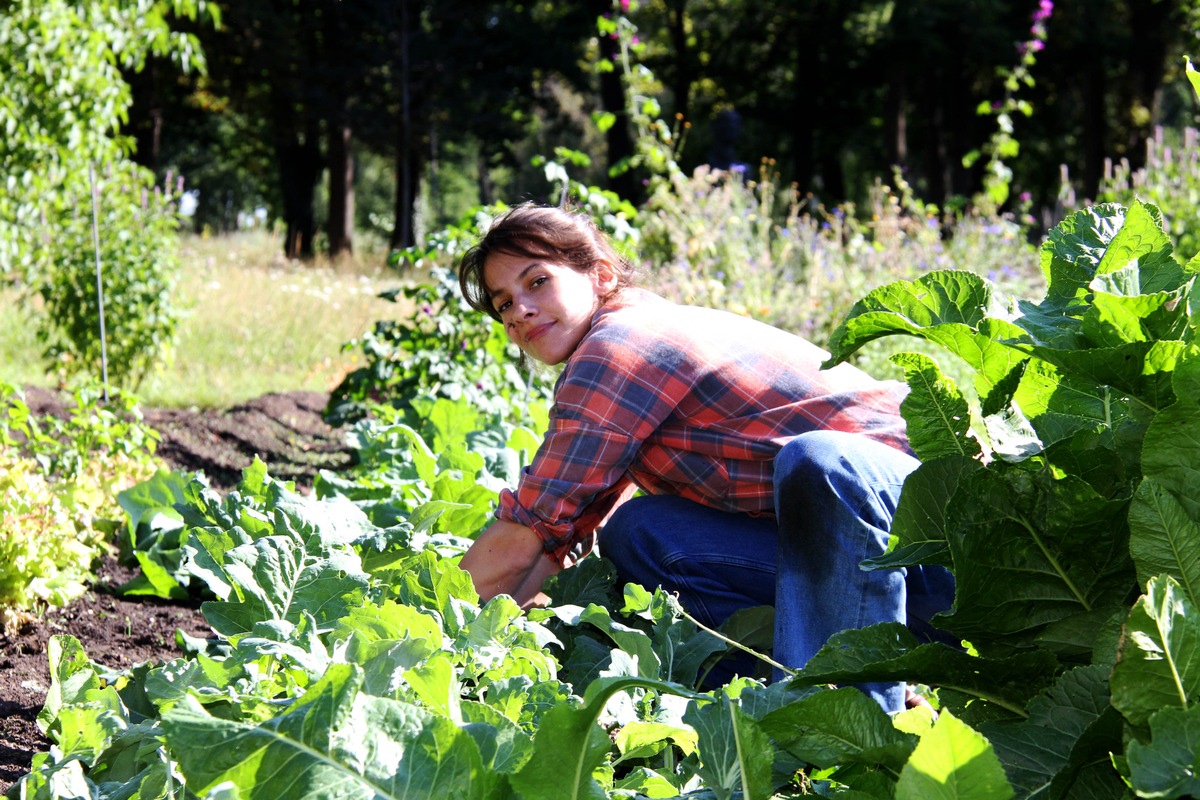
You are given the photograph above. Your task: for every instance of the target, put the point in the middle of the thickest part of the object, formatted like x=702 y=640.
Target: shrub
x=139 y=262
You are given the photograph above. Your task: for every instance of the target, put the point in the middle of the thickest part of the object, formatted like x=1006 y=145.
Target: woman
x=765 y=480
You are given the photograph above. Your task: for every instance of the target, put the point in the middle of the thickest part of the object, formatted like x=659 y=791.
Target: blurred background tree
x=389 y=118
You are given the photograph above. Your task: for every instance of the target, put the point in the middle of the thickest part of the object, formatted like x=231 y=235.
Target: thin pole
x=99 y=282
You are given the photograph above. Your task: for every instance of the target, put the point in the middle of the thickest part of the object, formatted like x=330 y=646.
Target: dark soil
x=286 y=430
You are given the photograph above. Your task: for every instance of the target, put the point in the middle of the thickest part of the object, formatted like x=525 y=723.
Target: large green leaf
x=1032 y=548
x=74 y=679
x=1074 y=249
x=1070 y=728
x=439 y=585
x=1142 y=369
x=953 y=762
x=1115 y=320
x=889 y=652
x=909 y=307
x=1164 y=539
x=569 y=746
x=335 y=742
x=919 y=524
x=1059 y=404
x=1142 y=250
x=735 y=753
x=148 y=500
x=1168 y=765
x=1173 y=438
x=504 y=746
x=939 y=420
x=838 y=726
x=1159 y=661
x=275 y=579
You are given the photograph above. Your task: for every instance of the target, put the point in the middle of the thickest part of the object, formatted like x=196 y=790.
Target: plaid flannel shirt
x=688 y=401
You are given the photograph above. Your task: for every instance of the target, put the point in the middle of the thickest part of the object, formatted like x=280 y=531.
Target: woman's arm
x=508 y=558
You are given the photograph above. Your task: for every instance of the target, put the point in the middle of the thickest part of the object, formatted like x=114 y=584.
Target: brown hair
x=546 y=232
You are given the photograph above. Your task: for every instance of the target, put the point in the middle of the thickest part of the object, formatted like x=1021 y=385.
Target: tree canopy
x=451 y=100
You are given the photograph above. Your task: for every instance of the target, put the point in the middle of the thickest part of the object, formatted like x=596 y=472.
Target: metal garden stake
x=99 y=282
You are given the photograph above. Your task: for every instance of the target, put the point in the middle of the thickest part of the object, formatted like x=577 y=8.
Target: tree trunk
x=341 y=192
x=408 y=180
x=145 y=115
x=682 y=82
x=340 y=224
x=897 y=116
x=1151 y=24
x=299 y=170
x=402 y=230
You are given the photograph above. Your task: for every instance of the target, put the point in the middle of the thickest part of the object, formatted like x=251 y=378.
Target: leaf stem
x=1161 y=613
x=1062 y=573
x=734 y=642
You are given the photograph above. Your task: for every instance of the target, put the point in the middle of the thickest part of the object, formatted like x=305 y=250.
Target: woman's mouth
x=538 y=332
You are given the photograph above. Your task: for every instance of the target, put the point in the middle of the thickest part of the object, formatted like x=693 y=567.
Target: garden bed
x=285 y=429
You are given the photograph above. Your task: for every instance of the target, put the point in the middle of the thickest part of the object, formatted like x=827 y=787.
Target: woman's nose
x=522 y=308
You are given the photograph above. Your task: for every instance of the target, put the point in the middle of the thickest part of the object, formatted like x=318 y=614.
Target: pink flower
x=625 y=6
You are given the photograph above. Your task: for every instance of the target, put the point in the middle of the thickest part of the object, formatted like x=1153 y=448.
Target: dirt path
x=286 y=430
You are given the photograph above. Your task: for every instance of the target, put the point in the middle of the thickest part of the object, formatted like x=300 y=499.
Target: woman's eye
x=500 y=309
x=538 y=281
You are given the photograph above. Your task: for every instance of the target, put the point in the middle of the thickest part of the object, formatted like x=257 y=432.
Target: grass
x=255 y=323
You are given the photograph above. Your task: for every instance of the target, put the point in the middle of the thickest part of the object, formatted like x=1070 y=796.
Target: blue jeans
x=835 y=494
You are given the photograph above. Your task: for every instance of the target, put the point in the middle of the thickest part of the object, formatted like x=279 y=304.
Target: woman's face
x=546 y=306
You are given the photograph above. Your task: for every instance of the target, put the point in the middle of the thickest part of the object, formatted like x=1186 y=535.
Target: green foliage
x=139 y=263
x=58 y=483
x=656 y=142
x=64 y=445
x=1058 y=486
x=454 y=455
x=46 y=558
x=326 y=610
x=1170 y=179
x=443 y=349
x=384 y=676
x=62 y=101
x=1003 y=145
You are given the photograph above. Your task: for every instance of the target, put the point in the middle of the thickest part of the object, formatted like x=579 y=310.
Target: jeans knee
x=806 y=463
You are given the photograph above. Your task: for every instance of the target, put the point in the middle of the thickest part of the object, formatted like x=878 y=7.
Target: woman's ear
x=604 y=276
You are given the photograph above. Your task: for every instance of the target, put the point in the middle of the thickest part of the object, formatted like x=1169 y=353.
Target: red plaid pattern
x=689 y=401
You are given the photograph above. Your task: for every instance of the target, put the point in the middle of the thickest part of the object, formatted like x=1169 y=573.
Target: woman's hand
x=507 y=558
